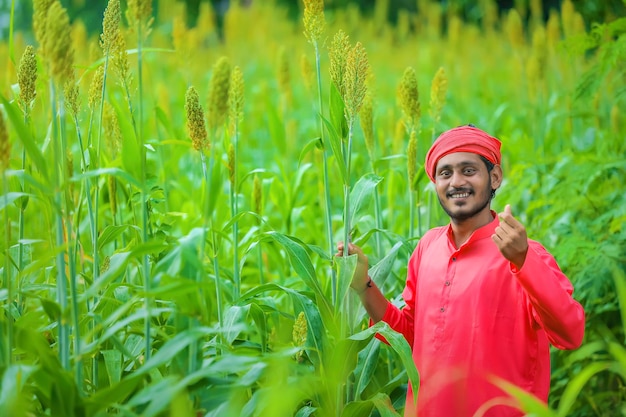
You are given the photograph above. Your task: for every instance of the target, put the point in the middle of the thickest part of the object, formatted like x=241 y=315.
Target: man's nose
x=457 y=180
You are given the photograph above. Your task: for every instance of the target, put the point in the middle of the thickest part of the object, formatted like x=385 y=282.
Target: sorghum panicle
x=111 y=27
x=236 y=97
x=231 y=164
x=357 y=68
x=27 y=78
x=337 y=54
x=313 y=19
x=195 y=120
x=40 y=15
x=218 y=93
x=95 y=88
x=58 y=44
x=438 y=91
x=409 y=98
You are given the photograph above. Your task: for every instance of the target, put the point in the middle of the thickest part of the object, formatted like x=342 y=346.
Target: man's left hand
x=510 y=237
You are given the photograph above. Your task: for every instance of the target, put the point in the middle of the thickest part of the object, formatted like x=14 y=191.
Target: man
x=483 y=302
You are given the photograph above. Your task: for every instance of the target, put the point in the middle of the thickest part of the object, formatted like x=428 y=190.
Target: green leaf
x=110 y=233
x=573 y=388
x=10 y=197
x=362 y=193
x=382 y=269
x=313 y=143
x=400 y=346
x=113 y=364
x=367 y=362
x=346 y=265
x=120 y=174
x=25 y=137
x=383 y=404
x=358 y=409
x=620 y=286
x=299 y=259
x=316 y=328
x=275 y=125
x=130 y=152
x=335 y=145
x=337 y=112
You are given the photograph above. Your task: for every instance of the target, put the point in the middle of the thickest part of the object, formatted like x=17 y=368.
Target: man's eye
x=469 y=171
x=444 y=173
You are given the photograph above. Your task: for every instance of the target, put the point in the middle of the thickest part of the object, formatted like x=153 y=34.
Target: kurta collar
x=478 y=234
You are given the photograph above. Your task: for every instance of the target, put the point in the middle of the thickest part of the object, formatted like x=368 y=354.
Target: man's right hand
x=360 y=278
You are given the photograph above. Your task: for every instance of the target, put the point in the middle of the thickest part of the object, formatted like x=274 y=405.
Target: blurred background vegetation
x=90 y=11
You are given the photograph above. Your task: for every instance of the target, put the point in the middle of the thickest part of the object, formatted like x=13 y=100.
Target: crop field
x=173 y=194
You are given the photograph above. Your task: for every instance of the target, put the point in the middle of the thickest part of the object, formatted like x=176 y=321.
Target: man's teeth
x=460 y=195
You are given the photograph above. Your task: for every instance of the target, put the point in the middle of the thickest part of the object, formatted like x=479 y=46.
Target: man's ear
x=496 y=177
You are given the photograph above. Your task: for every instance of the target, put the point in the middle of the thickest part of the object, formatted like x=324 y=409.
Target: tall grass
x=198 y=281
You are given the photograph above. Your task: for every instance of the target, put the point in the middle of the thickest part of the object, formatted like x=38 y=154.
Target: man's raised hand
x=510 y=237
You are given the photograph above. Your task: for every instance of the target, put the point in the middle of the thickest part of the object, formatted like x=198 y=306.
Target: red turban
x=462 y=139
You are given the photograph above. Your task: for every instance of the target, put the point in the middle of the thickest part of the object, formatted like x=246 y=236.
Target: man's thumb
x=507 y=210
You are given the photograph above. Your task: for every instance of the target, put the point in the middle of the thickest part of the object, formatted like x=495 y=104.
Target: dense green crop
x=171 y=202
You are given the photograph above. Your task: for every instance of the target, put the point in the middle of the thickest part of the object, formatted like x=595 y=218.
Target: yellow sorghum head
x=72 y=95
x=111 y=27
x=27 y=78
x=313 y=19
x=367 y=123
x=438 y=91
x=111 y=130
x=411 y=154
x=5 y=145
x=139 y=12
x=236 y=96
x=40 y=15
x=195 y=120
x=218 y=93
x=300 y=330
x=120 y=61
x=338 y=55
x=409 y=98
x=357 y=68
x=515 y=30
x=95 y=88
x=58 y=43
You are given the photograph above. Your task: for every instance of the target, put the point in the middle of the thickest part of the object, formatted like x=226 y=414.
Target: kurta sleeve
x=550 y=297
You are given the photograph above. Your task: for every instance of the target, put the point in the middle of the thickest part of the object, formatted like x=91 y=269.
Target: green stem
x=144 y=194
x=329 y=224
x=233 y=212
x=58 y=132
x=7 y=275
x=411 y=212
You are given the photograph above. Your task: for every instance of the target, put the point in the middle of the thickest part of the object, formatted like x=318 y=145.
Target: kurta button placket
x=442 y=309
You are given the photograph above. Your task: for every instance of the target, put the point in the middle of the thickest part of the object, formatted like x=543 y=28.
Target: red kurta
x=471 y=314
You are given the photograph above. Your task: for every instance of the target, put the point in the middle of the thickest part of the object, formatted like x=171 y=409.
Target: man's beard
x=461 y=217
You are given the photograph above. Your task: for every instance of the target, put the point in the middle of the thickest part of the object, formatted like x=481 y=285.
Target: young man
x=483 y=302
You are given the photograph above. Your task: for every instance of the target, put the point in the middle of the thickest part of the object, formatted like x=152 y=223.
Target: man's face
x=464 y=185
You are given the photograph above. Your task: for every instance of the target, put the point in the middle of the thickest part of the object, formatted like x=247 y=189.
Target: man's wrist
x=367 y=286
